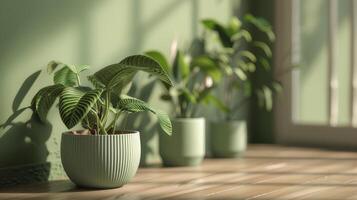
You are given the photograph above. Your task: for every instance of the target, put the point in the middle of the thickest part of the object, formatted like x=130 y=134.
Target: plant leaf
x=277 y=87
x=223 y=35
x=77 y=68
x=133 y=105
x=52 y=65
x=181 y=68
x=265 y=63
x=240 y=73
x=197 y=47
x=268 y=98
x=247 y=88
x=251 y=67
x=166 y=97
x=249 y=55
x=262 y=24
x=117 y=76
x=186 y=94
x=216 y=102
x=74 y=104
x=264 y=47
x=208 y=66
x=160 y=58
x=44 y=99
x=242 y=34
x=202 y=95
x=66 y=77
x=233 y=26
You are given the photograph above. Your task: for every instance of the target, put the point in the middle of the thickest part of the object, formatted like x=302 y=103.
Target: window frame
x=287 y=130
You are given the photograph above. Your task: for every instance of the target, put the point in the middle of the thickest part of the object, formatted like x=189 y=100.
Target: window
x=316 y=60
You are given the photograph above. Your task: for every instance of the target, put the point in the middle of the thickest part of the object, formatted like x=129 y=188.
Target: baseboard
x=24 y=174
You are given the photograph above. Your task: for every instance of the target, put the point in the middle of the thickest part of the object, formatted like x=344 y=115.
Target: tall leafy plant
x=240 y=55
x=99 y=107
x=194 y=75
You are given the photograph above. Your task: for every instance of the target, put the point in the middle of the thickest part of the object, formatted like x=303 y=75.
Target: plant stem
x=78 y=80
x=107 y=102
x=100 y=127
x=125 y=121
x=112 y=125
x=115 y=121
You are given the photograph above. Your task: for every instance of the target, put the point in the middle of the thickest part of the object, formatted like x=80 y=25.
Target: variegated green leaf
x=66 y=77
x=115 y=77
x=44 y=99
x=74 y=104
x=133 y=105
x=160 y=58
x=78 y=68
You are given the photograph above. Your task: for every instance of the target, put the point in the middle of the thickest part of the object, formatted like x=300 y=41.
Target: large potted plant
x=193 y=75
x=240 y=55
x=99 y=155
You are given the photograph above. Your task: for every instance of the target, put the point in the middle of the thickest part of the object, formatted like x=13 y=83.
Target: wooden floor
x=266 y=172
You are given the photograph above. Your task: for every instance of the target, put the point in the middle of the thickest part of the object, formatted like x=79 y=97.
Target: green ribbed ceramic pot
x=101 y=161
x=228 y=139
x=186 y=145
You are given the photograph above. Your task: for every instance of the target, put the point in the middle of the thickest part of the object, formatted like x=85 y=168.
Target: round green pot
x=186 y=145
x=101 y=161
x=228 y=139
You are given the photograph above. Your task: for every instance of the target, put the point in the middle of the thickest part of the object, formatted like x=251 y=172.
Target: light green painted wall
x=92 y=32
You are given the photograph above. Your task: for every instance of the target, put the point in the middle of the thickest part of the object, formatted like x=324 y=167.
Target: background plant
x=194 y=75
x=240 y=55
x=99 y=107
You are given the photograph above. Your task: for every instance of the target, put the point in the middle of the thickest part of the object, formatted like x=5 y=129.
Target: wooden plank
x=266 y=172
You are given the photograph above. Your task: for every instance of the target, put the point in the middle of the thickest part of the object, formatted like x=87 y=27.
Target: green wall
x=91 y=32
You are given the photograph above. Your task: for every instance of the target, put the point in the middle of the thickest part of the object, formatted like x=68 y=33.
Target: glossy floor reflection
x=266 y=172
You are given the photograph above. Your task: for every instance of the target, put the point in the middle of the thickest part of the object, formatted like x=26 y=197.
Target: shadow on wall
x=143 y=121
x=25 y=140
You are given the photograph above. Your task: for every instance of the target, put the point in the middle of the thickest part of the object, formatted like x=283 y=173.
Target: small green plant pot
x=186 y=145
x=101 y=161
x=228 y=139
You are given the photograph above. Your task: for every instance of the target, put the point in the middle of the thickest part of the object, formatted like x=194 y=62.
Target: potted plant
x=239 y=55
x=193 y=76
x=99 y=155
